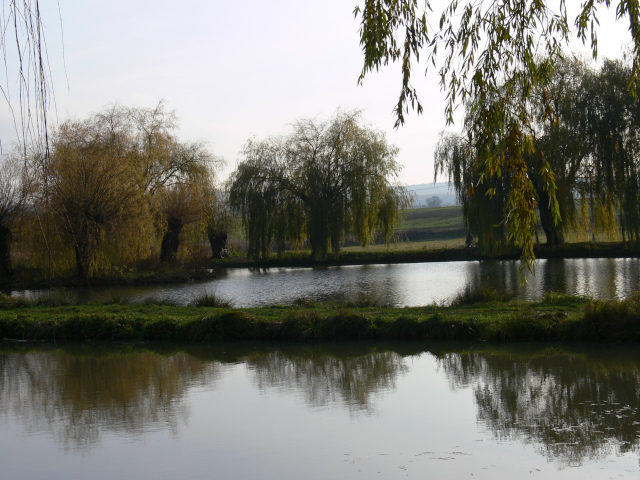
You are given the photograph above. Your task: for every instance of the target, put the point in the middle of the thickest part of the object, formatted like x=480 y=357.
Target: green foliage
x=588 y=148
x=495 y=57
x=114 y=189
x=322 y=182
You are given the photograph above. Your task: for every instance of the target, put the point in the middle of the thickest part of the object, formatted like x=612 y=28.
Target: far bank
x=408 y=253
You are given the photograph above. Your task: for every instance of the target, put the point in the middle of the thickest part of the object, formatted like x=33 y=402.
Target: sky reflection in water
x=336 y=411
x=413 y=284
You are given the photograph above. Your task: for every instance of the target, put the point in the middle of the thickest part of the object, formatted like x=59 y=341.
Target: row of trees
x=119 y=187
x=498 y=58
x=323 y=182
x=588 y=144
x=115 y=188
x=485 y=53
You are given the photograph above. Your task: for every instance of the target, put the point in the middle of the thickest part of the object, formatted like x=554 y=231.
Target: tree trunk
x=5 y=252
x=87 y=246
x=217 y=240
x=553 y=231
x=318 y=231
x=171 y=240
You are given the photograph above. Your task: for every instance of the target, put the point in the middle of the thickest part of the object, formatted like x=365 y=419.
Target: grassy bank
x=470 y=316
x=423 y=252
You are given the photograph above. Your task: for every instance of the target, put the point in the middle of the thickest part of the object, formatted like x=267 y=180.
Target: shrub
x=211 y=299
x=478 y=294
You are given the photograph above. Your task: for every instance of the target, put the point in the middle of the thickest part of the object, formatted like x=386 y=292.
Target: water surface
x=327 y=411
x=411 y=284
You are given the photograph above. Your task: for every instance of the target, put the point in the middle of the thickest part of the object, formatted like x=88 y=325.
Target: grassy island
x=470 y=316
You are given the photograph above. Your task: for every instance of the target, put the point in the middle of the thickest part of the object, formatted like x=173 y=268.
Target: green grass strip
x=557 y=317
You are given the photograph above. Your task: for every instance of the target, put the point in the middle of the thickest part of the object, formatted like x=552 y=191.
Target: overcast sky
x=232 y=70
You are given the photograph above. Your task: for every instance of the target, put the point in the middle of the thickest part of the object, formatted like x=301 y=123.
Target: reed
x=616 y=319
x=212 y=300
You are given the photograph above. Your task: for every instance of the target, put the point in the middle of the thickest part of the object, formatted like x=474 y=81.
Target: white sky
x=234 y=69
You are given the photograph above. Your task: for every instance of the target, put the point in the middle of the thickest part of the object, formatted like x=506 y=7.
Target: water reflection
x=413 y=284
x=597 y=277
x=349 y=377
x=571 y=406
x=78 y=394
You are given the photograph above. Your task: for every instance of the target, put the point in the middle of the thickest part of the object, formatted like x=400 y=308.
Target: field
x=428 y=224
x=424 y=229
x=438 y=228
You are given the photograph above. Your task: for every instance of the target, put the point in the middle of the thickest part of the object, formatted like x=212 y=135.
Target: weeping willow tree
x=487 y=55
x=116 y=186
x=611 y=186
x=560 y=144
x=320 y=183
x=482 y=199
x=589 y=146
x=592 y=144
x=95 y=187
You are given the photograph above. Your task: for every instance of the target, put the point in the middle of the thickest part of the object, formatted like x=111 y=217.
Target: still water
x=339 y=411
x=412 y=284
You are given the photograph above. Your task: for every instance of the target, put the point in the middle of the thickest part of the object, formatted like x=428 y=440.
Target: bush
x=483 y=293
x=612 y=319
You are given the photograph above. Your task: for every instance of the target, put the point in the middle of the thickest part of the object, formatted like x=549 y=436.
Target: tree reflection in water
x=571 y=406
x=78 y=394
x=348 y=375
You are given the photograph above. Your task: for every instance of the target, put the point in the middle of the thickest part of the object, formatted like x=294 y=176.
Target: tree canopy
x=591 y=142
x=495 y=57
x=321 y=182
x=116 y=187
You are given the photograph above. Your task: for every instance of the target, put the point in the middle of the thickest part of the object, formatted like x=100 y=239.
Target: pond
x=391 y=411
x=412 y=284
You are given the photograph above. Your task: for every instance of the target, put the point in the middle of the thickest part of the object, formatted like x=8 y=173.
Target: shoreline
x=555 y=318
x=570 y=250
x=179 y=274
x=27 y=280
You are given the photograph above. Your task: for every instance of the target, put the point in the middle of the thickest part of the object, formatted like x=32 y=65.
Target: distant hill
x=425 y=192
x=425 y=224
